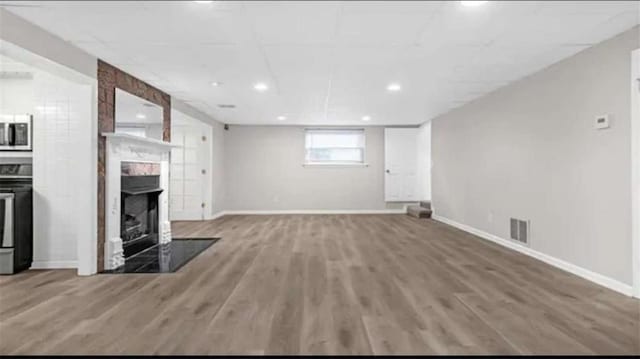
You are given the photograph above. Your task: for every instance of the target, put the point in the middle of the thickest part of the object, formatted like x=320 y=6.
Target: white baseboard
x=318 y=211
x=558 y=263
x=304 y=211
x=216 y=216
x=54 y=265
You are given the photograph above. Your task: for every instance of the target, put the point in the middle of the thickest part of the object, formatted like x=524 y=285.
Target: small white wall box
x=602 y=122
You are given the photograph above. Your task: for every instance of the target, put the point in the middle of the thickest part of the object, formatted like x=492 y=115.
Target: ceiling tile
x=287 y=22
x=329 y=62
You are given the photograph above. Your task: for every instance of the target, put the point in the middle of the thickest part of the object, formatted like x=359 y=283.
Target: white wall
x=62 y=139
x=32 y=45
x=424 y=161
x=530 y=150
x=635 y=157
x=263 y=172
x=36 y=40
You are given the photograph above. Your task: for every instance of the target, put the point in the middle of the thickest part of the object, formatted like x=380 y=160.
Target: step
x=425 y=204
x=418 y=212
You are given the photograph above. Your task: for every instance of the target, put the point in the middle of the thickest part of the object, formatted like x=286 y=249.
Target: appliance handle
x=12 y=134
x=3 y=134
x=7 y=236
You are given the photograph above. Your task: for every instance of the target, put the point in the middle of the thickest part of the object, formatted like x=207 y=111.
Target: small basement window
x=334 y=147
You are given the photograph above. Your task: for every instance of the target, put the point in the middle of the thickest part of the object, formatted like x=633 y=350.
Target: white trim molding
x=215 y=216
x=635 y=170
x=304 y=211
x=54 y=265
x=147 y=142
x=333 y=165
x=318 y=211
x=558 y=263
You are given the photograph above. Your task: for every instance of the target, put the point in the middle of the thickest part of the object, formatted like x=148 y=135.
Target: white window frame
x=338 y=164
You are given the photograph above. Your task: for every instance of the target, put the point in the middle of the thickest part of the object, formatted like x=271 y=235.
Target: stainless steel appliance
x=16 y=132
x=16 y=217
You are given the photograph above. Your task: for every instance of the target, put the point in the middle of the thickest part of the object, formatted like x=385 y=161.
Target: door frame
x=635 y=170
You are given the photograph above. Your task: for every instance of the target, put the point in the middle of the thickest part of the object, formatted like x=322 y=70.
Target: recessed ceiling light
x=261 y=87
x=394 y=87
x=282 y=118
x=366 y=118
x=141 y=116
x=216 y=83
x=472 y=3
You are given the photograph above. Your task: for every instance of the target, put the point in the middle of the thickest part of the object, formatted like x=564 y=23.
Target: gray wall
x=530 y=150
x=217 y=169
x=263 y=171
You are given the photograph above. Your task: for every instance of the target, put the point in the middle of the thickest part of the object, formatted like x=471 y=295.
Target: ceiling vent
x=520 y=231
x=226 y=106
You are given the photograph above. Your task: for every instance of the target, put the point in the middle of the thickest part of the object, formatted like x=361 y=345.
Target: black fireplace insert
x=139 y=213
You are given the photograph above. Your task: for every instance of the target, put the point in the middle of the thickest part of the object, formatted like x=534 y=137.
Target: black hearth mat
x=165 y=258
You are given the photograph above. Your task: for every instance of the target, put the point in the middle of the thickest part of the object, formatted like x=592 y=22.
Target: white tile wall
x=62 y=119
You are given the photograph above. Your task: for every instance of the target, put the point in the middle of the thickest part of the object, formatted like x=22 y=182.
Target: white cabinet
x=190 y=168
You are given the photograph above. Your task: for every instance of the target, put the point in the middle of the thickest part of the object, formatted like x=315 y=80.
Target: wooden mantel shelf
x=137 y=139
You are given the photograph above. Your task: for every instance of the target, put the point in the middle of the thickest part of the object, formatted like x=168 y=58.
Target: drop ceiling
x=329 y=63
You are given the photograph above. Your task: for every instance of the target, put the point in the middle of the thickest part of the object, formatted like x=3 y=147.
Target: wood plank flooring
x=322 y=284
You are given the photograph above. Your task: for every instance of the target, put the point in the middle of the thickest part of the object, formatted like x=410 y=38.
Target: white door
x=190 y=169
x=401 y=164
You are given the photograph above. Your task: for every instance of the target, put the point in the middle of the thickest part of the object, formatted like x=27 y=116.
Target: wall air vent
x=226 y=106
x=519 y=230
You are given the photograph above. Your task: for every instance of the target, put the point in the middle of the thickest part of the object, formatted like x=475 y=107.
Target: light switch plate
x=602 y=122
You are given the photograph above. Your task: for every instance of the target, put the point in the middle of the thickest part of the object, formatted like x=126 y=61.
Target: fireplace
x=139 y=220
x=136 y=198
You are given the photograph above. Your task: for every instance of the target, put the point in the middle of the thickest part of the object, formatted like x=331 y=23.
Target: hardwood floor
x=336 y=284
